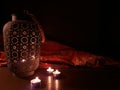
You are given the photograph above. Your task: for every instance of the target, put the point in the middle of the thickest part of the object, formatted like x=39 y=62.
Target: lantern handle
x=38 y=24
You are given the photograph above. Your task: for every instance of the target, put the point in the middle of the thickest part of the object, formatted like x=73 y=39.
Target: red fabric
x=54 y=52
x=59 y=55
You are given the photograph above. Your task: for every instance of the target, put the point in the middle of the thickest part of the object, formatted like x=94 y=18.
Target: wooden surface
x=70 y=79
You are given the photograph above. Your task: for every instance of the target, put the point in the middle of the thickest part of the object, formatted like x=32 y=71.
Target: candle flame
x=50 y=69
x=36 y=80
x=56 y=72
x=23 y=60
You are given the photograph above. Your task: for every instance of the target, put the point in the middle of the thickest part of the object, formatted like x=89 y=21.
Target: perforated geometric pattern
x=22 y=45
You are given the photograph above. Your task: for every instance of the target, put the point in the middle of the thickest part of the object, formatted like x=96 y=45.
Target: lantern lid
x=21 y=16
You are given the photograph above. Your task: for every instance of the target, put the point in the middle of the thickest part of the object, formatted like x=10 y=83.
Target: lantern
x=22 y=46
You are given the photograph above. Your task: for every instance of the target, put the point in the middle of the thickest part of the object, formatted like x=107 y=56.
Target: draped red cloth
x=58 y=55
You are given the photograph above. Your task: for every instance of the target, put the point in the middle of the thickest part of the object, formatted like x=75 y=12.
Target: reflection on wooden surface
x=49 y=83
x=56 y=84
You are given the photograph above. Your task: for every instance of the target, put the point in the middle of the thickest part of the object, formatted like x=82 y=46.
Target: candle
x=23 y=60
x=35 y=82
x=56 y=73
x=50 y=70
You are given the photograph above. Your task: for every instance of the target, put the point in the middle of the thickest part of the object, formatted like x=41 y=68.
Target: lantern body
x=22 y=47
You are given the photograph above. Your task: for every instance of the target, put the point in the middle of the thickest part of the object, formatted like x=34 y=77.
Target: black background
x=86 y=25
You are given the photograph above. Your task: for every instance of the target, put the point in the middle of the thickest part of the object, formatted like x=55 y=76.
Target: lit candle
x=56 y=73
x=35 y=82
x=23 y=60
x=50 y=70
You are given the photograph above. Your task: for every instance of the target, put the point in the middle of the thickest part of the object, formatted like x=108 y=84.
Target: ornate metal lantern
x=22 y=40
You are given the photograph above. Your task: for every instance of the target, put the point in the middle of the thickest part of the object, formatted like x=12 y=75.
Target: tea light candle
x=50 y=70
x=56 y=73
x=23 y=60
x=35 y=82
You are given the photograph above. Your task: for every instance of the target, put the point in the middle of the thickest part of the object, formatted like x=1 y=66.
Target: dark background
x=86 y=25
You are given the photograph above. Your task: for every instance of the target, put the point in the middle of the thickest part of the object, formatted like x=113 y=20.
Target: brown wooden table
x=70 y=79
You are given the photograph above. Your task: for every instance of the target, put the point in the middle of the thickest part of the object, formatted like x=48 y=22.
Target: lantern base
x=24 y=74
